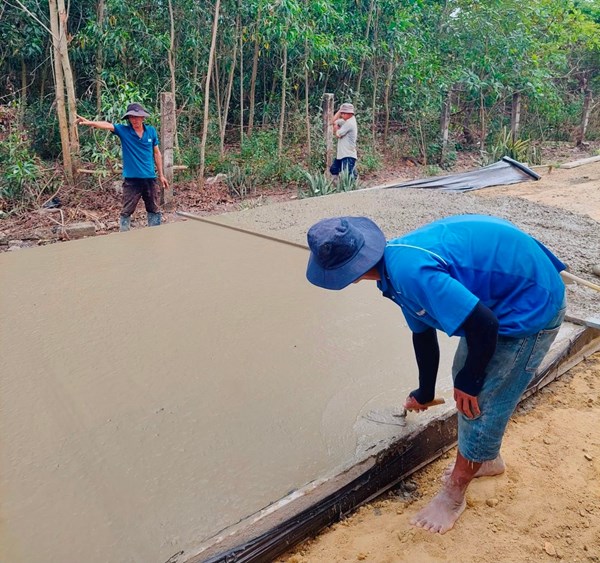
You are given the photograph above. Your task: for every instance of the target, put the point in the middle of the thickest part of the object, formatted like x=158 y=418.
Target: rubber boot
x=153 y=219
x=124 y=223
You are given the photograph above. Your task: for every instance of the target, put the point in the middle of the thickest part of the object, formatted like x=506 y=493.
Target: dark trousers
x=340 y=164
x=136 y=188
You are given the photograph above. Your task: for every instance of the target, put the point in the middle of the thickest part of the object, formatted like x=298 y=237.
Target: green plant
x=432 y=170
x=240 y=182
x=347 y=182
x=522 y=150
x=369 y=160
x=317 y=184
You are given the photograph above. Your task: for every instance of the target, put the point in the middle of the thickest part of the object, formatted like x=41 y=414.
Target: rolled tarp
x=505 y=171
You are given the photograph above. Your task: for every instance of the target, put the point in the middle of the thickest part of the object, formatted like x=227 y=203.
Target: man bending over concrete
x=476 y=277
x=139 y=144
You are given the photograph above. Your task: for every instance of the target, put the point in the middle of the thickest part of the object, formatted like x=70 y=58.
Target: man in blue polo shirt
x=472 y=276
x=139 y=144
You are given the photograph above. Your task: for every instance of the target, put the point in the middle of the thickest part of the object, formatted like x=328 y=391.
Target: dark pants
x=136 y=188
x=340 y=164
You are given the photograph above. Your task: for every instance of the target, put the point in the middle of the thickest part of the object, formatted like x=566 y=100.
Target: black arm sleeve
x=481 y=332
x=427 y=353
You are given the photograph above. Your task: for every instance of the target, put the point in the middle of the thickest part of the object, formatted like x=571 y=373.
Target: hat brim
x=135 y=114
x=367 y=257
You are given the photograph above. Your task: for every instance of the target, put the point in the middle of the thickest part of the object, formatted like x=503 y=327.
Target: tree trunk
x=229 y=89
x=585 y=115
x=59 y=87
x=307 y=104
x=241 y=84
x=171 y=61
x=482 y=122
x=211 y=56
x=362 y=62
x=328 y=129
x=283 y=92
x=253 y=78
x=23 y=95
x=217 y=93
x=515 y=116
x=99 y=56
x=374 y=104
x=43 y=78
x=386 y=98
x=375 y=78
x=69 y=84
x=445 y=126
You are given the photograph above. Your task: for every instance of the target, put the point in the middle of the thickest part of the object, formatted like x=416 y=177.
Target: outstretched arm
x=106 y=125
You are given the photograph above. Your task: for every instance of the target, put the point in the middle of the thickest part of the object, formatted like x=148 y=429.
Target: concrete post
x=167 y=136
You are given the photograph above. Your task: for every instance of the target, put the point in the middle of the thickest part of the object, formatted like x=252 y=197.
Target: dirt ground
x=546 y=506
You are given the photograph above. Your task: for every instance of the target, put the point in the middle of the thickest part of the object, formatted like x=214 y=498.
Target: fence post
x=167 y=136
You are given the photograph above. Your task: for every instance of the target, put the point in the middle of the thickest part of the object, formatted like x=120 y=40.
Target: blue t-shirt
x=438 y=273
x=138 y=153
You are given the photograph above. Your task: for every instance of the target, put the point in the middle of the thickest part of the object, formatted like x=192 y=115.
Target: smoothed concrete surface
x=160 y=385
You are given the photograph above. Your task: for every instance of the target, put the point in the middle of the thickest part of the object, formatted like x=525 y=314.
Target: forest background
x=430 y=79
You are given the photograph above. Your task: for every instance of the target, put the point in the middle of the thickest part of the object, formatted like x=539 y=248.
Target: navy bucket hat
x=342 y=249
x=135 y=110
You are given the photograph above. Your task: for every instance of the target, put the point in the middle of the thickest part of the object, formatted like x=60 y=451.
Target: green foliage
x=369 y=160
x=19 y=170
x=42 y=125
x=432 y=170
x=397 y=62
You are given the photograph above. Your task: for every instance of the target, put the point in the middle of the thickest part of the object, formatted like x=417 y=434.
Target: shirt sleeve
x=343 y=128
x=434 y=293
x=155 y=141
x=118 y=129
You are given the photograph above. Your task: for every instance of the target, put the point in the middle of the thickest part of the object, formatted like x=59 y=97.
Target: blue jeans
x=340 y=163
x=508 y=374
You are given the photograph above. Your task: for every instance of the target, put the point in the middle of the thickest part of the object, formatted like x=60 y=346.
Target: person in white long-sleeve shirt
x=346 y=131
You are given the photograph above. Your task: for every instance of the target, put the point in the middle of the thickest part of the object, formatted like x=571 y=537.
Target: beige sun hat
x=347 y=108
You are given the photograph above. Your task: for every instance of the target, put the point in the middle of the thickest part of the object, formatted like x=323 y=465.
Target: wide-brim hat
x=347 y=108
x=342 y=250
x=135 y=110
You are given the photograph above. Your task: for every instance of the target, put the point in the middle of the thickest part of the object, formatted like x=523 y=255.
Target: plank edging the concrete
x=389 y=467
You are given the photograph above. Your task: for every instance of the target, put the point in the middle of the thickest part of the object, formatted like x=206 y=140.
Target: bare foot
x=487 y=469
x=441 y=513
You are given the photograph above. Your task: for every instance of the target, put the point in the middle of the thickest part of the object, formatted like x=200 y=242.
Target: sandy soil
x=547 y=504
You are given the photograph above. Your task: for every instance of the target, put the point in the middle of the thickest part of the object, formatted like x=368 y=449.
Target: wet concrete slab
x=161 y=385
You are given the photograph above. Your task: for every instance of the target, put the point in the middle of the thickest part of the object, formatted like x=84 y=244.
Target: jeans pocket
x=543 y=341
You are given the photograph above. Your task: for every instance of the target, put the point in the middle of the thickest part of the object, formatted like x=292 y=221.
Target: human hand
x=82 y=121
x=164 y=182
x=411 y=404
x=466 y=404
